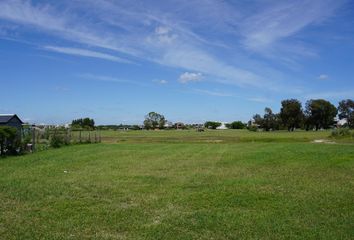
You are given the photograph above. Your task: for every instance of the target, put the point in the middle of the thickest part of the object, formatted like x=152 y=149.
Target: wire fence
x=40 y=139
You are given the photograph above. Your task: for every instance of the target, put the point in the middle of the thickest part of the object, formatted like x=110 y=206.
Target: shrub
x=57 y=141
x=253 y=128
x=10 y=142
x=340 y=132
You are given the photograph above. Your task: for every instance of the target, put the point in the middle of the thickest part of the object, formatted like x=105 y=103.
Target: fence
x=40 y=139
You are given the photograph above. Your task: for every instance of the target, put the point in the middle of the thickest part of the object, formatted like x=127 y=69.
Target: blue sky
x=192 y=61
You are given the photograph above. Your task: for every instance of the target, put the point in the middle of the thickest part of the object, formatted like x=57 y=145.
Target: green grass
x=145 y=188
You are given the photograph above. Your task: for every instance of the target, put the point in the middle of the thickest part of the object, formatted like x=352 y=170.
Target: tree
x=236 y=125
x=154 y=120
x=86 y=123
x=291 y=113
x=212 y=125
x=258 y=120
x=320 y=113
x=346 y=111
x=269 y=120
x=8 y=137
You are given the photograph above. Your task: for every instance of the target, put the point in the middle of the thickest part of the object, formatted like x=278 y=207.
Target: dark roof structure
x=5 y=118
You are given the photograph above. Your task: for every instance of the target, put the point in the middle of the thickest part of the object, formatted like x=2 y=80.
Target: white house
x=222 y=126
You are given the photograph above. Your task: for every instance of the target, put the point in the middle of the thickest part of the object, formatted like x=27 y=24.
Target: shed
x=11 y=120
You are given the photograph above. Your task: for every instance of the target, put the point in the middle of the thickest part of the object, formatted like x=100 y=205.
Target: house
x=222 y=126
x=11 y=120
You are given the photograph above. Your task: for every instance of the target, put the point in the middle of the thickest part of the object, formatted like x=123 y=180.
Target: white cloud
x=190 y=77
x=323 y=77
x=86 y=53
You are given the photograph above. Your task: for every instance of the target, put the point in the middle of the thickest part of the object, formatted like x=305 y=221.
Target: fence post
x=96 y=136
x=33 y=139
x=89 y=136
x=80 y=136
x=99 y=135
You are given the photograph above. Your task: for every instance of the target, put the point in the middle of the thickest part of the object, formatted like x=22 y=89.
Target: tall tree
x=269 y=120
x=346 y=111
x=320 y=113
x=154 y=120
x=291 y=113
x=258 y=120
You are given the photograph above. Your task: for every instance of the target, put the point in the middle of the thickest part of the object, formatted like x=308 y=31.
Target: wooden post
x=33 y=139
x=80 y=136
x=99 y=135
x=89 y=136
x=96 y=136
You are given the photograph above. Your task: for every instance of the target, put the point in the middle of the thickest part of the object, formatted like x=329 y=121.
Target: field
x=183 y=185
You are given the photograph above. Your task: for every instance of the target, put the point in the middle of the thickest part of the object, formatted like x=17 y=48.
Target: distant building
x=11 y=120
x=222 y=126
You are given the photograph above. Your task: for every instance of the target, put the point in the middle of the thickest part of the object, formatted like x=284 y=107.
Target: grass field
x=182 y=185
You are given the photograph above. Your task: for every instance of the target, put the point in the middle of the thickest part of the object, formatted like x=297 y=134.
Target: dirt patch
x=326 y=141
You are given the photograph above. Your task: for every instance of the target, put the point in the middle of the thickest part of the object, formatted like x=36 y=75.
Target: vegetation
x=228 y=184
x=10 y=142
x=320 y=114
x=83 y=123
x=291 y=114
x=212 y=125
x=236 y=125
x=346 y=111
x=154 y=121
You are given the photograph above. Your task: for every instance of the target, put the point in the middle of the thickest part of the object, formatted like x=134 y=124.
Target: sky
x=192 y=61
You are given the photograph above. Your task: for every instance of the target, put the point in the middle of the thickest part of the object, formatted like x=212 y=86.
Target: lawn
x=182 y=185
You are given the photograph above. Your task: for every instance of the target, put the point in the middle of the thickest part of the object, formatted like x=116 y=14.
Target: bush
x=253 y=128
x=340 y=132
x=57 y=141
x=10 y=142
x=236 y=125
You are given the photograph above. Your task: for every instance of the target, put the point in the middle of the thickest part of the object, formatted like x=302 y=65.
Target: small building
x=11 y=120
x=222 y=126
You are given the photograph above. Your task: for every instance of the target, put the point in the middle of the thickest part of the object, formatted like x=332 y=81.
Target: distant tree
x=86 y=123
x=236 y=125
x=320 y=113
x=291 y=113
x=270 y=121
x=346 y=111
x=212 y=125
x=154 y=120
x=258 y=120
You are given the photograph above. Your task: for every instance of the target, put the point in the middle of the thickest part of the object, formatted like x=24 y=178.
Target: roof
x=5 y=118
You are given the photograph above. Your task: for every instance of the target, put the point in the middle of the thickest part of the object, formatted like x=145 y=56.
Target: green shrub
x=10 y=142
x=252 y=128
x=341 y=132
x=57 y=141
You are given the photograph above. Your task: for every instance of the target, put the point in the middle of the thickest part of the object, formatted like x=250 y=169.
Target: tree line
x=318 y=114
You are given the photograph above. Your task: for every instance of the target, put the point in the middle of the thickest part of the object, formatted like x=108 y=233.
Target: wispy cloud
x=190 y=77
x=213 y=93
x=187 y=37
x=86 y=53
x=323 y=77
x=332 y=95
x=280 y=20
x=176 y=45
x=160 y=81
x=259 y=99
x=104 y=78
